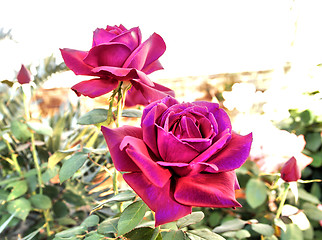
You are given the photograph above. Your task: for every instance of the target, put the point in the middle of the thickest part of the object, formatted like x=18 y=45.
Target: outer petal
x=207 y=190
x=152 y=67
x=233 y=155
x=113 y=138
x=95 y=87
x=214 y=148
x=142 y=94
x=160 y=200
x=74 y=61
x=109 y=54
x=131 y=38
x=147 y=53
x=123 y=74
x=100 y=36
x=138 y=151
x=171 y=149
x=150 y=114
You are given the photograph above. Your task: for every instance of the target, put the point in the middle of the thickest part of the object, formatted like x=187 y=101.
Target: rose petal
x=200 y=144
x=207 y=190
x=159 y=200
x=123 y=74
x=214 y=148
x=220 y=115
x=100 y=36
x=147 y=53
x=131 y=38
x=108 y=54
x=233 y=155
x=171 y=149
x=142 y=94
x=74 y=61
x=150 y=114
x=152 y=67
x=138 y=152
x=113 y=138
x=95 y=87
x=183 y=169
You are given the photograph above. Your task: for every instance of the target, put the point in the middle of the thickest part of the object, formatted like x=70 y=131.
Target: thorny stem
x=13 y=158
x=279 y=210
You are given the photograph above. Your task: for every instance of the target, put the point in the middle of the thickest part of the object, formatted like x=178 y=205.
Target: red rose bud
x=24 y=76
x=291 y=172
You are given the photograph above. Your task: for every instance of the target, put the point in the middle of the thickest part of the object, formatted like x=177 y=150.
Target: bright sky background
x=202 y=37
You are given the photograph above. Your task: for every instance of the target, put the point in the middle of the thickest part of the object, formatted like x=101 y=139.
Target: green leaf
x=231 y=225
x=20 y=207
x=20 y=130
x=173 y=235
x=121 y=197
x=94 y=116
x=56 y=158
x=18 y=189
x=73 y=198
x=256 y=192
x=142 y=233
x=242 y=234
x=131 y=217
x=91 y=221
x=71 y=232
x=108 y=226
x=312 y=211
x=313 y=141
x=71 y=165
x=60 y=209
x=132 y=113
x=49 y=174
x=203 y=234
x=7 y=82
x=304 y=195
x=192 y=218
x=263 y=229
x=292 y=232
x=317 y=159
x=40 y=201
x=94 y=236
x=306 y=117
x=40 y=128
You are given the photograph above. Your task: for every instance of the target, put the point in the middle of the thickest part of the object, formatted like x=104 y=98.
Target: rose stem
x=280 y=207
x=35 y=157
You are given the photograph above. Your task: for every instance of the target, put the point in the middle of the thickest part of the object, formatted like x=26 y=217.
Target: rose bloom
x=117 y=54
x=183 y=155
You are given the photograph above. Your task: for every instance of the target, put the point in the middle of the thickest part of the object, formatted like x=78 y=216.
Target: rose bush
x=183 y=155
x=117 y=54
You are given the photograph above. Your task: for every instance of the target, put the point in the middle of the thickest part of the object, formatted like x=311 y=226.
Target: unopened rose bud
x=291 y=172
x=24 y=76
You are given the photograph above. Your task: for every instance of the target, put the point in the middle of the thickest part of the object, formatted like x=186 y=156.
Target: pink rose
x=117 y=54
x=183 y=155
x=24 y=76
